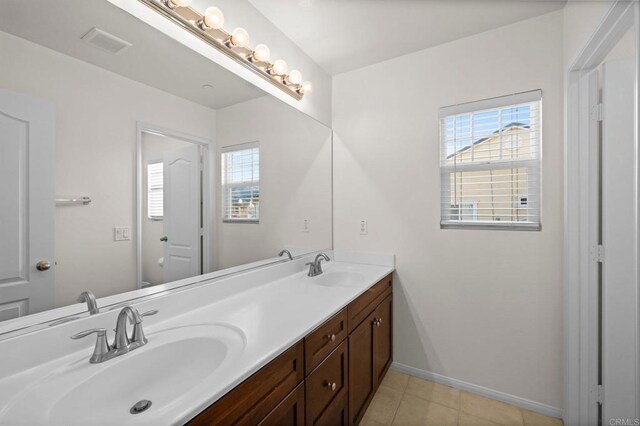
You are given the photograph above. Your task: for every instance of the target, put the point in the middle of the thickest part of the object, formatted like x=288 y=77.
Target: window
x=155 y=190
x=241 y=183
x=490 y=163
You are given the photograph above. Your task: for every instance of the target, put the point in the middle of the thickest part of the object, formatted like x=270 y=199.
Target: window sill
x=504 y=226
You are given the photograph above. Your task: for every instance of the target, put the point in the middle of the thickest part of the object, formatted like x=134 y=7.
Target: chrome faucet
x=315 y=267
x=287 y=252
x=122 y=343
x=90 y=299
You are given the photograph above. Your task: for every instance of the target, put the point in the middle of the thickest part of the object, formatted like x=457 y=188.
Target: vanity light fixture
x=261 y=53
x=213 y=18
x=209 y=27
x=279 y=67
x=172 y=4
x=294 y=77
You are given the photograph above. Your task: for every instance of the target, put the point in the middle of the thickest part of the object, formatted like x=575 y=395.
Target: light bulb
x=239 y=37
x=294 y=77
x=261 y=53
x=307 y=87
x=179 y=3
x=213 y=18
x=279 y=67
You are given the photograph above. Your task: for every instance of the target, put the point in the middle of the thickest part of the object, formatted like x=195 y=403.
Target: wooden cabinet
x=327 y=385
x=326 y=379
x=324 y=339
x=370 y=349
x=253 y=399
x=361 y=366
x=290 y=412
x=382 y=338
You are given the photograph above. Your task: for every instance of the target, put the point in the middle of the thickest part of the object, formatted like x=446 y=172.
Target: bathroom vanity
x=326 y=378
x=264 y=346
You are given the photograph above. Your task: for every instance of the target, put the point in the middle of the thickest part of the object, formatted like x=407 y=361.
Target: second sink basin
x=340 y=279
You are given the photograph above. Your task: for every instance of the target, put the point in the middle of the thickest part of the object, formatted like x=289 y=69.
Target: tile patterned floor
x=404 y=400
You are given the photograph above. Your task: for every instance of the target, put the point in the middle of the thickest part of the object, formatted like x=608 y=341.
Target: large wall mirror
x=131 y=162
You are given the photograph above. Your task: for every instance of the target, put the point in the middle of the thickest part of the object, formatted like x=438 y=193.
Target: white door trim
x=207 y=172
x=581 y=315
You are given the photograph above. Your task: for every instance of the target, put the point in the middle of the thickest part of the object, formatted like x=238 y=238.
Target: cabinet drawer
x=326 y=384
x=249 y=402
x=324 y=339
x=360 y=308
x=290 y=412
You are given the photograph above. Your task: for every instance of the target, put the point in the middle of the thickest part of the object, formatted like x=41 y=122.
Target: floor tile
x=414 y=411
x=469 y=420
x=536 y=419
x=488 y=409
x=368 y=421
x=434 y=392
x=384 y=405
x=395 y=380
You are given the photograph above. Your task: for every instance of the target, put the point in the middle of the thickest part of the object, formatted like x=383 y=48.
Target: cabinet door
x=361 y=368
x=383 y=338
x=327 y=385
x=336 y=414
x=290 y=412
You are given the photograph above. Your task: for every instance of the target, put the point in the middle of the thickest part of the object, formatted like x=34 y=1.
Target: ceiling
x=342 y=35
x=154 y=59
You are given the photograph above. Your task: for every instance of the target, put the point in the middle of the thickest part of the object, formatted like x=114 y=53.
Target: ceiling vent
x=105 y=41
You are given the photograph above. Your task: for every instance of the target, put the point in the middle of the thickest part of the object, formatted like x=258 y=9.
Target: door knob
x=163 y=239
x=331 y=385
x=43 y=265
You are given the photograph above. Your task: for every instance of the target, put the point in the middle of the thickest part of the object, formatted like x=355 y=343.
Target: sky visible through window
x=464 y=129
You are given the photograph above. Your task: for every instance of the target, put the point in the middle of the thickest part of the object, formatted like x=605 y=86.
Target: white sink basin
x=340 y=279
x=165 y=371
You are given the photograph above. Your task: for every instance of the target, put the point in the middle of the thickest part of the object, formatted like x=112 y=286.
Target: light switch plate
x=121 y=233
x=306 y=225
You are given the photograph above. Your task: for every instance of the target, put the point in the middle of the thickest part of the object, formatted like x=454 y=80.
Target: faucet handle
x=149 y=313
x=98 y=331
x=102 y=345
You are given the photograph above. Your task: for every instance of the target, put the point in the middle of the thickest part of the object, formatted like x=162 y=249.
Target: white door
x=619 y=239
x=26 y=205
x=182 y=213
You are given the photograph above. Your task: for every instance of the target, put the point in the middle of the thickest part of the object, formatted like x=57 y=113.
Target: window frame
x=532 y=165
x=226 y=188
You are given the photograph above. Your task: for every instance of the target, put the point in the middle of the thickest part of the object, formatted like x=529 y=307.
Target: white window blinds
x=490 y=163
x=241 y=183
x=155 y=190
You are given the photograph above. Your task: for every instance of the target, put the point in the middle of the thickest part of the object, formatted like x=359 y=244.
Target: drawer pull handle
x=331 y=385
x=331 y=337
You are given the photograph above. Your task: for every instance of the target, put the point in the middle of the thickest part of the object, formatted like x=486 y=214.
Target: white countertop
x=266 y=316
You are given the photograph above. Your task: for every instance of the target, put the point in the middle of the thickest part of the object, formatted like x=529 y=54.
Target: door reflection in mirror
x=172 y=231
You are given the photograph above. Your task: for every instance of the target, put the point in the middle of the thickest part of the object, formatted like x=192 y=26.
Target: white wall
x=96 y=114
x=295 y=181
x=484 y=307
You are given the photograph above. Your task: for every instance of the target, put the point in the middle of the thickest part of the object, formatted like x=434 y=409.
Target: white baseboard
x=527 y=404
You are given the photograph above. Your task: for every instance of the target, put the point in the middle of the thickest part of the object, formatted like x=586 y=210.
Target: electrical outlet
x=364 y=227
x=121 y=233
x=306 y=225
